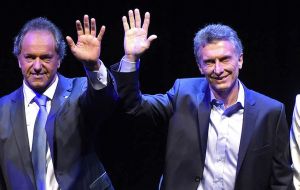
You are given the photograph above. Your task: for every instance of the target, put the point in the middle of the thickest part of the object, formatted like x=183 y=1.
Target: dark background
x=132 y=151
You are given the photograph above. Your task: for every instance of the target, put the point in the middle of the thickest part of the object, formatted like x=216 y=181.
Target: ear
x=200 y=68
x=240 y=61
x=19 y=63
x=58 y=64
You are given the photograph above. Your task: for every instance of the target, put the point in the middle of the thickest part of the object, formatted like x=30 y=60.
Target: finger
x=86 y=24
x=131 y=19
x=146 y=21
x=151 y=38
x=101 y=33
x=93 y=27
x=125 y=23
x=79 y=28
x=137 y=18
x=70 y=43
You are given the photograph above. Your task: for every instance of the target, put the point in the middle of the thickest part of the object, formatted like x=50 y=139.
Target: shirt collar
x=29 y=94
x=240 y=98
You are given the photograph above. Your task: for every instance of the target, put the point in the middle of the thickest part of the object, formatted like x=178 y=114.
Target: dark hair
x=43 y=24
x=216 y=32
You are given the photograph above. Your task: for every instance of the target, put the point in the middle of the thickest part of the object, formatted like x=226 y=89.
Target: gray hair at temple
x=43 y=24
x=215 y=32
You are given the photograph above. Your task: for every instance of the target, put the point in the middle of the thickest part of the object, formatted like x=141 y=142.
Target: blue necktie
x=39 y=145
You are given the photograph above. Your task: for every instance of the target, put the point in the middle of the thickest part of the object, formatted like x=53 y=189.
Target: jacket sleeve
x=98 y=105
x=282 y=174
x=295 y=142
x=158 y=107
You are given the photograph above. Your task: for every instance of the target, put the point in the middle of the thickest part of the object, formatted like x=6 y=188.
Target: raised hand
x=136 y=41
x=88 y=46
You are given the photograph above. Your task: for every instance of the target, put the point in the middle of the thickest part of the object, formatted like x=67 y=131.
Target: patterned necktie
x=39 y=145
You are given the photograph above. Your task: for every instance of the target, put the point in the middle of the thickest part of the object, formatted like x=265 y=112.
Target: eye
x=225 y=59
x=29 y=58
x=46 y=58
x=209 y=62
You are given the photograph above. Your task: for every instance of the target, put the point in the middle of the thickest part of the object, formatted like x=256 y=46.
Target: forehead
x=217 y=48
x=38 y=39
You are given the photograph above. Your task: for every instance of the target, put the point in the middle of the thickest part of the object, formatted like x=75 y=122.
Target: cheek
x=24 y=68
x=52 y=69
x=207 y=70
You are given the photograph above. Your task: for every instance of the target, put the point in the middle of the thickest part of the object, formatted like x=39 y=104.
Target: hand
x=135 y=39
x=88 y=47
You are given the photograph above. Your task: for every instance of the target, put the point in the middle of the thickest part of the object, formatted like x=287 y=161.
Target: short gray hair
x=215 y=32
x=43 y=24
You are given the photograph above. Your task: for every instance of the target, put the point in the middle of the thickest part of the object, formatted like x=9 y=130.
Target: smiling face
x=220 y=63
x=38 y=59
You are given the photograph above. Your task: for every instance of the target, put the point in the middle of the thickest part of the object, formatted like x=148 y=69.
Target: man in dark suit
x=221 y=135
x=75 y=106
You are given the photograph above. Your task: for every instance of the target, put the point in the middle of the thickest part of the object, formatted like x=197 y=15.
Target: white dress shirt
x=295 y=143
x=98 y=80
x=224 y=134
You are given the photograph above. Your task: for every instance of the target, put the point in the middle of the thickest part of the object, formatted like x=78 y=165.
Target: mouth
x=37 y=75
x=219 y=78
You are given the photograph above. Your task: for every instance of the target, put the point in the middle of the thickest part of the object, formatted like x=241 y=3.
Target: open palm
x=88 y=46
x=136 y=41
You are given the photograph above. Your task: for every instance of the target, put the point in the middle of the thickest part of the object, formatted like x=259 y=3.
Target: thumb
x=151 y=38
x=70 y=43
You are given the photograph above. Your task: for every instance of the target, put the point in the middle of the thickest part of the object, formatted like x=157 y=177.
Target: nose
x=218 y=70
x=37 y=65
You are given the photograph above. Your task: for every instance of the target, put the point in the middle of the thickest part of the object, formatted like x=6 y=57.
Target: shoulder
x=11 y=96
x=297 y=101
x=72 y=82
x=191 y=83
x=7 y=100
x=198 y=80
x=262 y=100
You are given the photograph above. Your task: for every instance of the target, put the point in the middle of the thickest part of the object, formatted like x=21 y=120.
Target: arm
x=282 y=174
x=100 y=97
x=87 y=50
x=136 y=42
x=295 y=143
x=2 y=182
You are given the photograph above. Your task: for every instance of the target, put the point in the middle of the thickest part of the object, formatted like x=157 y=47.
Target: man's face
x=38 y=59
x=220 y=64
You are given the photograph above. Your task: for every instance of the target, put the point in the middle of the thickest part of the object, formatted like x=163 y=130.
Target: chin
x=221 y=87
x=38 y=86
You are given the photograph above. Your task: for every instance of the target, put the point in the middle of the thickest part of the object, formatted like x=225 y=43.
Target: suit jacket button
x=197 y=178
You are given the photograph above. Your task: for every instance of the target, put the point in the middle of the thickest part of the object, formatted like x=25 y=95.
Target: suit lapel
x=250 y=113
x=62 y=92
x=20 y=131
x=203 y=100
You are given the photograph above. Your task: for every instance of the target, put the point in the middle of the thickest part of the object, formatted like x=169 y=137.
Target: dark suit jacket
x=76 y=110
x=263 y=158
